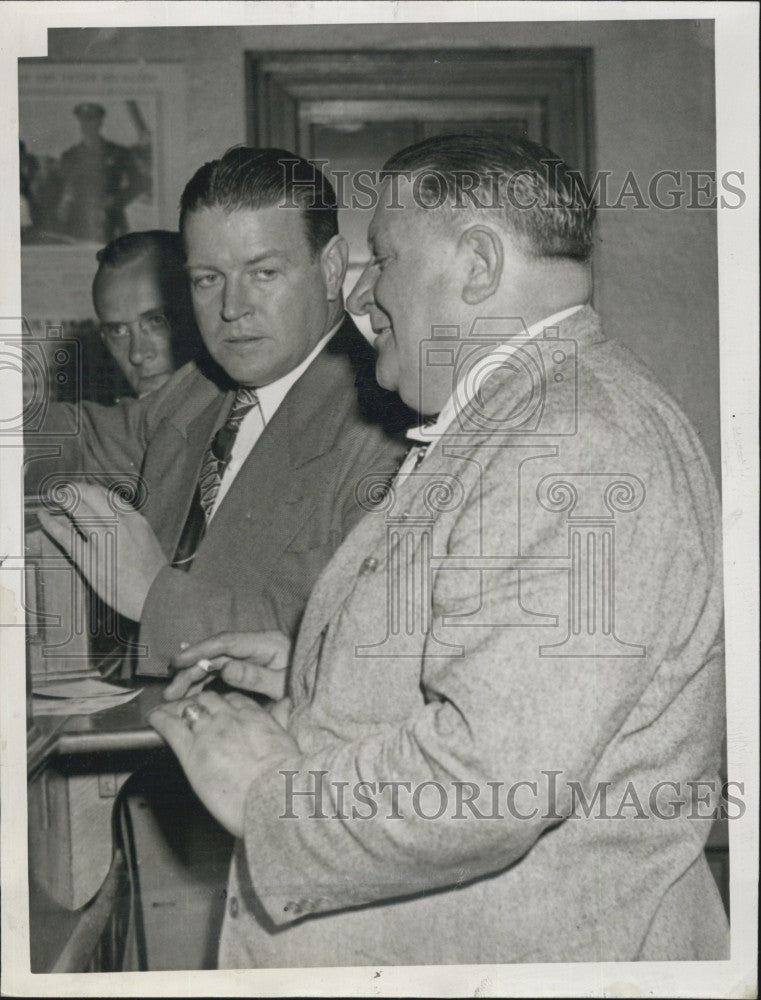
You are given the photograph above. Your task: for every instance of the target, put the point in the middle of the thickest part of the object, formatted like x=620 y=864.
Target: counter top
x=124 y=728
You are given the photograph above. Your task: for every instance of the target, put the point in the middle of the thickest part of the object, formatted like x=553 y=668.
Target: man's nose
x=141 y=346
x=235 y=302
x=361 y=296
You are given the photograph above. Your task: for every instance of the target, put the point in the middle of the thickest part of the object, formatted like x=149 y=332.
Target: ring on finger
x=191 y=714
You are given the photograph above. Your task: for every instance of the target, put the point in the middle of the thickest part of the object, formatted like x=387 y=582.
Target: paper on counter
x=57 y=705
x=89 y=687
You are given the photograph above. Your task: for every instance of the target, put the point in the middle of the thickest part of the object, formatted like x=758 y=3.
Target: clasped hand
x=228 y=741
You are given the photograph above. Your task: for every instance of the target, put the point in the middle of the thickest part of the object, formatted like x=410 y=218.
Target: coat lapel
x=172 y=469
x=276 y=482
x=447 y=464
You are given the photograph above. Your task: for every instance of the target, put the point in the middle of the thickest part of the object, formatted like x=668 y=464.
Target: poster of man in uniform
x=86 y=169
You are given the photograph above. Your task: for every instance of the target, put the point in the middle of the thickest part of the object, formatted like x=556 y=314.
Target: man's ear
x=484 y=256
x=334 y=259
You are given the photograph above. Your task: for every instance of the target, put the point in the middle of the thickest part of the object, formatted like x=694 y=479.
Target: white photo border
x=737 y=137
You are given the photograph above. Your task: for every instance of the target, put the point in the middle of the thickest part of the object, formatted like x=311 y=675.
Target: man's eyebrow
x=197 y=267
x=265 y=255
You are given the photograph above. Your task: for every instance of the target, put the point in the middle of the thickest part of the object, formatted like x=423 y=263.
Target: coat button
x=233 y=906
x=369 y=565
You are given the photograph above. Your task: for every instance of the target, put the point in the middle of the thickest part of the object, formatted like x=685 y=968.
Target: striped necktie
x=217 y=456
x=215 y=461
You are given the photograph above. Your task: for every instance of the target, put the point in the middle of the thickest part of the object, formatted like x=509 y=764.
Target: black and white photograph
x=94 y=189
x=379 y=467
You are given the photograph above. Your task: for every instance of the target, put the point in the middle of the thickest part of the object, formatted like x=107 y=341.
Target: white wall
x=656 y=271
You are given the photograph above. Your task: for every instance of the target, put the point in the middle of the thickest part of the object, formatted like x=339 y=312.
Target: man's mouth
x=243 y=343
x=149 y=383
x=243 y=338
x=154 y=378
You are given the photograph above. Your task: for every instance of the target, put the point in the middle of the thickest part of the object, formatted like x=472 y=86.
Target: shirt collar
x=432 y=429
x=272 y=395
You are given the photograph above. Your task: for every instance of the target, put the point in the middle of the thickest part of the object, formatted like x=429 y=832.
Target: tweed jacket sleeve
x=501 y=690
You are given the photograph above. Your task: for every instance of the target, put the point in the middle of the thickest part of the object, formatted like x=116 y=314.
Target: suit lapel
x=172 y=470
x=277 y=473
x=263 y=490
x=312 y=418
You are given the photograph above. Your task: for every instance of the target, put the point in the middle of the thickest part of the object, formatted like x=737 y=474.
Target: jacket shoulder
x=189 y=391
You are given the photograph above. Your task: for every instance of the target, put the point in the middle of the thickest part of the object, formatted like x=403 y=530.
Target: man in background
x=142 y=299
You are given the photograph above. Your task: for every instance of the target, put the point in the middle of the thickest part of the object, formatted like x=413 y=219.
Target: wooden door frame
x=278 y=81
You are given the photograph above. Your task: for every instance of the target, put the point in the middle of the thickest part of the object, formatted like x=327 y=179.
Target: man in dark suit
x=241 y=505
x=244 y=464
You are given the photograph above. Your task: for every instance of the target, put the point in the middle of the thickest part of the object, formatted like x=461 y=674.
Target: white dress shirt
x=427 y=434
x=270 y=398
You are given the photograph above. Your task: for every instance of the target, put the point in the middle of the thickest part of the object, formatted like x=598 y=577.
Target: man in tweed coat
x=505 y=709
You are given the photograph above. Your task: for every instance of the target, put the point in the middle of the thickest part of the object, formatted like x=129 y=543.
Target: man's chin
x=394 y=384
x=386 y=378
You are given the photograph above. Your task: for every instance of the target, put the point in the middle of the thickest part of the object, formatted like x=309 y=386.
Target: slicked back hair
x=161 y=248
x=538 y=198
x=132 y=246
x=249 y=178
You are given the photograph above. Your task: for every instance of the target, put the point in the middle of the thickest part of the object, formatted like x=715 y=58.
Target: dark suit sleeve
x=181 y=607
x=88 y=439
x=190 y=606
